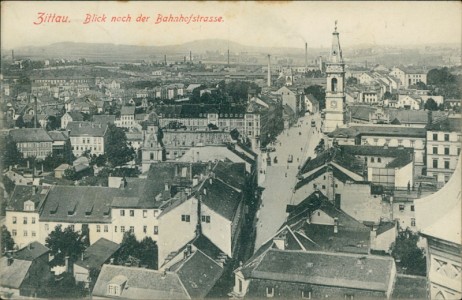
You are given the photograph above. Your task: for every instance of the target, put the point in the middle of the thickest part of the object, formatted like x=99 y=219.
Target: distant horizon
x=254 y=24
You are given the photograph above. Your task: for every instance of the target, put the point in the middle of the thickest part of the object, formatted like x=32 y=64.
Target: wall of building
x=404 y=175
x=218 y=230
x=21 y=233
x=383 y=241
x=142 y=220
x=173 y=232
x=404 y=213
x=358 y=202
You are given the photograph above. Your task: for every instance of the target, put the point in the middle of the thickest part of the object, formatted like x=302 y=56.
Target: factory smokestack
x=306 y=55
x=228 y=57
x=165 y=59
x=269 y=70
x=190 y=56
x=35 y=111
x=12 y=54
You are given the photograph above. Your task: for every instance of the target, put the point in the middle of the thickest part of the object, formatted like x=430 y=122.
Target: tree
x=20 y=122
x=7 y=240
x=387 y=95
x=71 y=174
x=431 y=104
x=64 y=243
x=148 y=253
x=440 y=76
x=53 y=123
x=319 y=93
x=117 y=150
x=235 y=134
x=407 y=254
x=145 y=252
x=11 y=154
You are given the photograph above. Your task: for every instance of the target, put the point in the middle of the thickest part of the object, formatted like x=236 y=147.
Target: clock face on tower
x=333 y=104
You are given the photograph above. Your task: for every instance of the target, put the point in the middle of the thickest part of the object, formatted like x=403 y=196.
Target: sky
x=267 y=24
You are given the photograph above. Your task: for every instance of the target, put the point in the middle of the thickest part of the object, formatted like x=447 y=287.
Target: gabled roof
x=23 y=193
x=104 y=119
x=58 y=135
x=12 y=276
x=31 y=252
x=127 y=110
x=221 y=198
x=354 y=131
x=75 y=115
x=30 y=135
x=139 y=283
x=97 y=254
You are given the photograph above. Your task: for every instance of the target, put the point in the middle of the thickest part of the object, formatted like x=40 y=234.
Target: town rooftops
x=139 y=283
x=312 y=99
x=23 y=193
x=75 y=115
x=87 y=129
x=380 y=130
x=31 y=252
x=97 y=254
x=221 y=198
x=25 y=135
x=104 y=119
x=58 y=136
x=323 y=268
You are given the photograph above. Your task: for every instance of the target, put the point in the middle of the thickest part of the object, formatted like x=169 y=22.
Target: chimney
x=167 y=188
x=12 y=54
x=269 y=71
x=66 y=263
x=306 y=55
x=10 y=261
x=210 y=180
x=184 y=59
x=83 y=255
x=30 y=246
x=335 y=225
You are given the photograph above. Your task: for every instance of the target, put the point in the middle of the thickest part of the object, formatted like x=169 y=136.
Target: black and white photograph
x=231 y=150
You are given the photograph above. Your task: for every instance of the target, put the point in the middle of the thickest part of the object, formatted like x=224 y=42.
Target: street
x=279 y=178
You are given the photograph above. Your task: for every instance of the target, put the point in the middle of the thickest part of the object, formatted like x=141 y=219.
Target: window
x=446 y=164
x=306 y=294
x=98 y=228
x=106 y=228
x=72 y=227
x=13 y=232
x=25 y=220
x=314 y=186
x=446 y=150
x=132 y=213
x=113 y=289
x=349 y=297
x=372 y=159
x=435 y=150
x=333 y=87
x=240 y=285
x=122 y=212
x=33 y=220
x=156 y=212
x=206 y=219
x=151 y=155
x=47 y=227
x=323 y=187
x=435 y=163
x=115 y=228
x=446 y=137
x=412 y=222
x=379 y=159
x=145 y=229
x=156 y=230
x=145 y=213
x=412 y=207
x=185 y=218
x=269 y=292
x=401 y=207
x=446 y=178
x=34 y=233
x=14 y=220
x=122 y=229
x=458 y=151
x=132 y=229
x=25 y=232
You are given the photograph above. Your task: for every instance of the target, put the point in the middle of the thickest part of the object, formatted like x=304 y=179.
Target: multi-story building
x=33 y=142
x=443 y=148
x=87 y=136
x=408 y=76
x=335 y=91
x=384 y=135
x=127 y=117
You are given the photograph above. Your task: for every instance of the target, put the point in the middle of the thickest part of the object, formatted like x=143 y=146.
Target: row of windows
x=35 y=145
x=14 y=232
x=315 y=186
x=106 y=229
x=86 y=148
x=446 y=150
x=402 y=207
x=15 y=220
x=132 y=213
x=446 y=137
x=446 y=164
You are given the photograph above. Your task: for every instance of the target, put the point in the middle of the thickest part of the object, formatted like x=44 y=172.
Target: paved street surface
x=279 y=179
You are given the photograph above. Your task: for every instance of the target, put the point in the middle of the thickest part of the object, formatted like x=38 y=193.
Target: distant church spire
x=336 y=51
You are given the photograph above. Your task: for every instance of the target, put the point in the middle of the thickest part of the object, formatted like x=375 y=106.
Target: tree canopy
x=407 y=254
x=431 y=104
x=7 y=240
x=117 y=150
x=145 y=251
x=64 y=243
x=10 y=153
x=319 y=93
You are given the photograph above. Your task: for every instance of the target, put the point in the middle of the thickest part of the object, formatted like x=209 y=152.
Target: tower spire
x=336 y=51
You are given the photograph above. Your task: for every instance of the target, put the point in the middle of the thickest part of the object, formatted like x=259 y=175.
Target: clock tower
x=335 y=91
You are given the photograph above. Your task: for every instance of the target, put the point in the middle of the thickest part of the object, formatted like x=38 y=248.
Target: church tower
x=335 y=91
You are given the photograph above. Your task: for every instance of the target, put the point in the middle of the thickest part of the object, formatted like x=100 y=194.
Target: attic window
x=269 y=292
x=89 y=211
x=113 y=289
x=54 y=209
x=72 y=210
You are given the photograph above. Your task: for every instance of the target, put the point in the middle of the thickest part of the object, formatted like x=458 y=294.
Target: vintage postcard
x=230 y=149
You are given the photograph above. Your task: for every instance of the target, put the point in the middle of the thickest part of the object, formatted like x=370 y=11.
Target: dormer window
x=113 y=289
x=116 y=285
x=29 y=205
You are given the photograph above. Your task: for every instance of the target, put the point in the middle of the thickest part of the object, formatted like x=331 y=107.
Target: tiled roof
x=23 y=193
x=104 y=119
x=384 y=227
x=199 y=273
x=79 y=204
x=138 y=283
x=30 y=135
x=355 y=131
x=332 y=269
x=221 y=198
x=13 y=276
x=32 y=251
x=87 y=129
x=410 y=287
x=231 y=173
x=97 y=254
x=127 y=110
x=58 y=135
x=75 y=115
